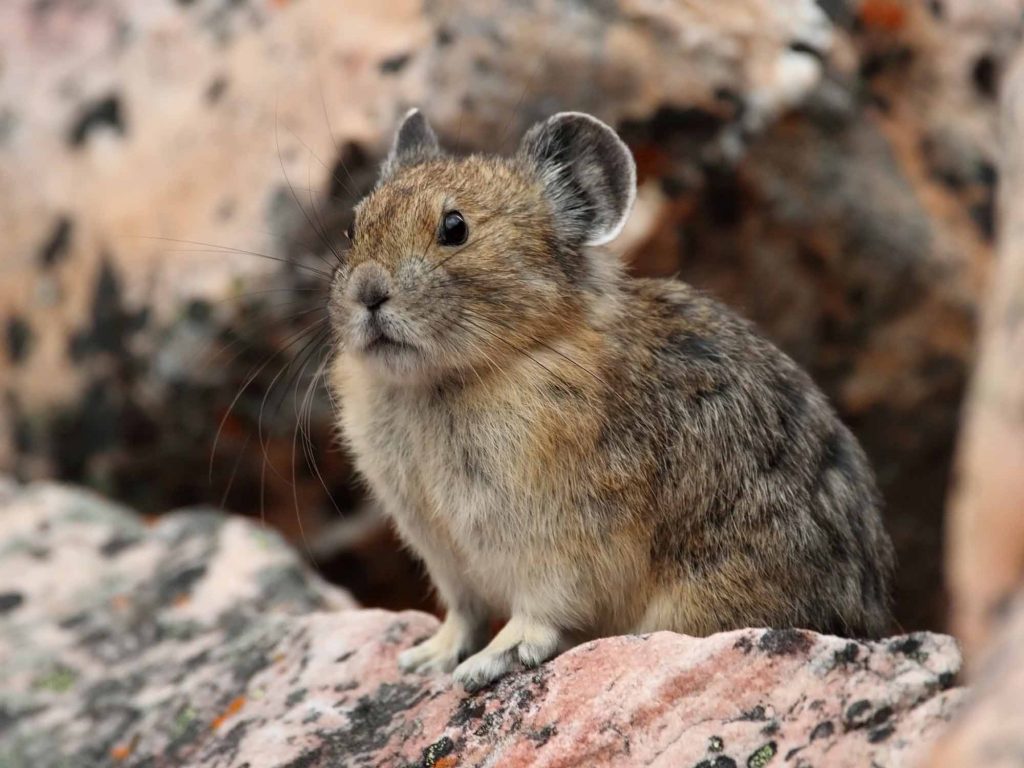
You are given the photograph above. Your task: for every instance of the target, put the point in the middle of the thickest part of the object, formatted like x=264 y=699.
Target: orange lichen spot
x=120 y=751
x=448 y=761
x=181 y=599
x=883 y=15
x=150 y=520
x=121 y=602
x=232 y=708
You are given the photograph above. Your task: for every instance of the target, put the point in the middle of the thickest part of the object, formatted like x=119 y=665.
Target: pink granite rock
x=111 y=627
x=989 y=730
x=751 y=697
x=202 y=641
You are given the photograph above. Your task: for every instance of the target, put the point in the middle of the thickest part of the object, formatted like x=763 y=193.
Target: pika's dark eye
x=454 y=229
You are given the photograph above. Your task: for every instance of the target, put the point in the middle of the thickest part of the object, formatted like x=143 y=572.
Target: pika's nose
x=372 y=295
x=370 y=286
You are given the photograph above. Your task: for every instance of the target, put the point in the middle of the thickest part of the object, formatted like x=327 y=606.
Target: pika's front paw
x=520 y=640
x=483 y=668
x=432 y=655
x=454 y=639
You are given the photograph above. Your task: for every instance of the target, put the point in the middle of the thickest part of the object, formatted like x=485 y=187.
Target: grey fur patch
x=588 y=174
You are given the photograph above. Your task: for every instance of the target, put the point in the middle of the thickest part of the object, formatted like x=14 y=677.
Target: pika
x=578 y=451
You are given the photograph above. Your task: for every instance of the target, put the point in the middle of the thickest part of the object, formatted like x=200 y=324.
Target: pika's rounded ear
x=415 y=142
x=588 y=174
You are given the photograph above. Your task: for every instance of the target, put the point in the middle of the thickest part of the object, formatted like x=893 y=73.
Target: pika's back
x=759 y=491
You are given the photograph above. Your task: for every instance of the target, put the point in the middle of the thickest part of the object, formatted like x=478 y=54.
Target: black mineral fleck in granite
x=19 y=339
x=215 y=90
x=848 y=655
x=102 y=113
x=784 y=642
x=542 y=735
x=801 y=46
x=823 y=730
x=722 y=761
x=744 y=644
x=467 y=710
x=9 y=601
x=880 y=734
x=755 y=714
x=855 y=716
x=55 y=248
x=117 y=544
x=881 y=714
x=985 y=74
x=909 y=646
x=444 y=37
x=394 y=64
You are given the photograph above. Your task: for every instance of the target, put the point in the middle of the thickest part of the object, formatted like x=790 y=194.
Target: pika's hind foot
x=457 y=637
x=521 y=639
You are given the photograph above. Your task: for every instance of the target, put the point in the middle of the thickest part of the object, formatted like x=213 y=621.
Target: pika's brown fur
x=585 y=453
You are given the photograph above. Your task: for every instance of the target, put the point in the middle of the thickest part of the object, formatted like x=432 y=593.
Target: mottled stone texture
x=989 y=730
x=199 y=640
x=986 y=541
x=112 y=627
x=986 y=531
x=826 y=168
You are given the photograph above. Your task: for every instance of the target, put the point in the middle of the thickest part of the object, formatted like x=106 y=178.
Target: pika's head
x=459 y=263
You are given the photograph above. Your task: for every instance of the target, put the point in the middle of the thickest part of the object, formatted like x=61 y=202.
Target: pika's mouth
x=382 y=344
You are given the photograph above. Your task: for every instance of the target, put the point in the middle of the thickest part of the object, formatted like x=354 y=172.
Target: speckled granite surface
x=989 y=730
x=111 y=629
x=201 y=640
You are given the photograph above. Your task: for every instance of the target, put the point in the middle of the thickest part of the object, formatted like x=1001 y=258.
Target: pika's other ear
x=415 y=142
x=588 y=174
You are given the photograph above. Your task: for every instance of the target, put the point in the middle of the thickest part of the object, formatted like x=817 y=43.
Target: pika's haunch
x=582 y=452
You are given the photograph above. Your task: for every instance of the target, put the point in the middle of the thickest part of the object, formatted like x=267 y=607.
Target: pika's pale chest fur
x=583 y=453
x=473 y=470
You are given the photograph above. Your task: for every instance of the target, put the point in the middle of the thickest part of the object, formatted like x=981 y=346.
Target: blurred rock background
x=174 y=174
